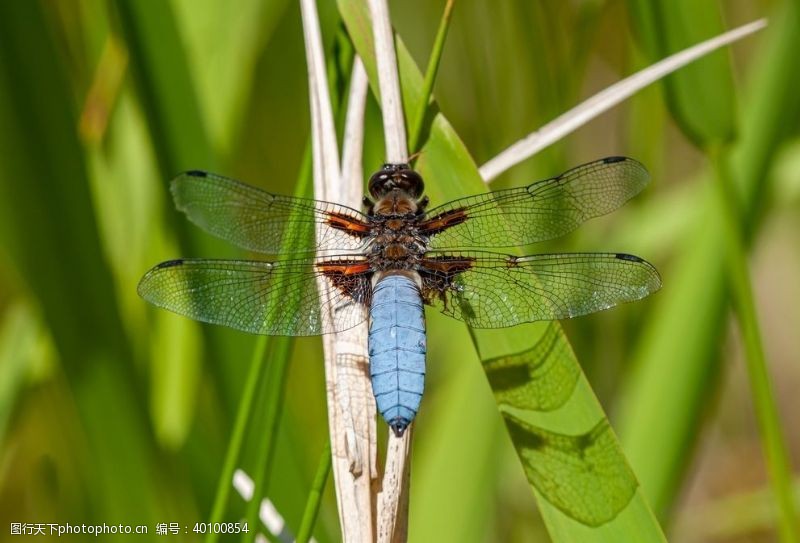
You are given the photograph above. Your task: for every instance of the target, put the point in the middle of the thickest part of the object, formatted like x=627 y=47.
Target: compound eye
x=413 y=183
x=377 y=185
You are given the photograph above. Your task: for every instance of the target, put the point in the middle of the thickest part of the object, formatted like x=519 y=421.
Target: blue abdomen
x=397 y=350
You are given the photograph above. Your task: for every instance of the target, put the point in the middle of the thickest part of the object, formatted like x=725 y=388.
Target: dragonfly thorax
x=396 y=204
x=403 y=253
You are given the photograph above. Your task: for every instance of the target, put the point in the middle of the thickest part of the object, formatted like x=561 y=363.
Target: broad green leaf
x=585 y=475
x=701 y=95
x=451 y=172
x=539 y=378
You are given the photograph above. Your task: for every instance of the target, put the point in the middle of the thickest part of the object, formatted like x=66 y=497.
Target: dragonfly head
x=396 y=177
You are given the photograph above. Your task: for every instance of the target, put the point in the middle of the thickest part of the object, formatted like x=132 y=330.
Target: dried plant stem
x=325 y=151
x=353 y=144
x=393 y=500
x=352 y=433
x=393 y=497
x=394 y=127
x=605 y=100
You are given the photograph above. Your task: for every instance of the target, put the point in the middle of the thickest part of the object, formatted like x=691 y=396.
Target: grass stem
x=237 y=437
x=315 y=495
x=280 y=350
x=430 y=76
x=773 y=442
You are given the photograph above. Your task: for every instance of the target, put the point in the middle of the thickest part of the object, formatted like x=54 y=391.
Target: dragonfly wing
x=544 y=210
x=272 y=298
x=491 y=290
x=260 y=221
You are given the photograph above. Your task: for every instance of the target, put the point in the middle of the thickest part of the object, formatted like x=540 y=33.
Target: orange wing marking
x=438 y=274
x=441 y=222
x=344 y=267
x=447 y=266
x=341 y=221
x=351 y=277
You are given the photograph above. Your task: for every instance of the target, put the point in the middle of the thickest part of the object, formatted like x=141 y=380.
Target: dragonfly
x=335 y=267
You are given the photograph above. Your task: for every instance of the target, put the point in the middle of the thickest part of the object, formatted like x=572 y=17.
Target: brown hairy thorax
x=397 y=202
x=398 y=233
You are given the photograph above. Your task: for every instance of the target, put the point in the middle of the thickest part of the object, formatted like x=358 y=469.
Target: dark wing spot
x=169 y=264
x=630 y=258
x=197 y=173
x=613 y=159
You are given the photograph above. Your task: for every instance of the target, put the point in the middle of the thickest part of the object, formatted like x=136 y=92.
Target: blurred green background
x=111 y=411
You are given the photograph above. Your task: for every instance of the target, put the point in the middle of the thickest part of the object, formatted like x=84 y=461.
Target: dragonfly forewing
x=541 y=211
x=268 y=223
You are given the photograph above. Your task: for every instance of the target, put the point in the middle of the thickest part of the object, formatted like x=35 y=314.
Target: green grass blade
x=223 y=47
x=773 y=441
x=701 y=99
x=315 y=496
x=446 y=160
x=430 y=77
x=701 y=95
x=280 y=352
x=237 y=437
x=661 y=405
x=165 y=86
x=771 y=113
x=280 y=356
x=19 y=331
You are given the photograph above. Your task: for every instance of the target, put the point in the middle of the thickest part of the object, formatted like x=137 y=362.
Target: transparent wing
x=272 y=298
x=490 y=290
x=544 y=210
x=264 y=222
